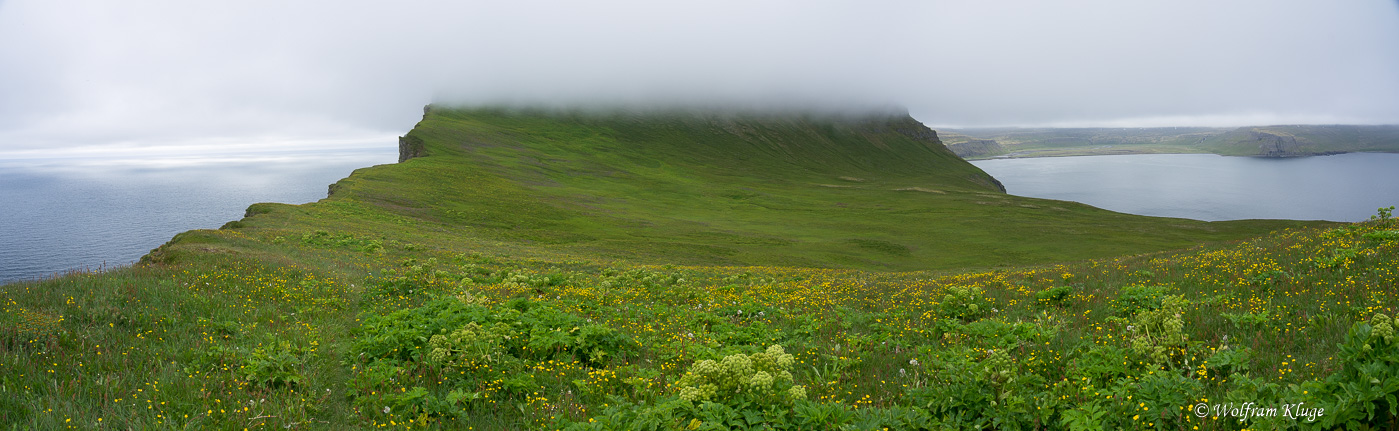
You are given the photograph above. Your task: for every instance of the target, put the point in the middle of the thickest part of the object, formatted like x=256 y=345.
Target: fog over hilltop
x=94 y=77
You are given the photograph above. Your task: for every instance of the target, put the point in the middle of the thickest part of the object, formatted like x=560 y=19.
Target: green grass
x=727 y=190
x=554 y=270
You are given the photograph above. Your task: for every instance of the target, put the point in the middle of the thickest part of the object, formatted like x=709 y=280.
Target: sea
x=58 y=216
x=1343 y=187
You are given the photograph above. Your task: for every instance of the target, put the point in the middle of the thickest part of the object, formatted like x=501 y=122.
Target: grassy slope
x=265 y=324
x=717 y=190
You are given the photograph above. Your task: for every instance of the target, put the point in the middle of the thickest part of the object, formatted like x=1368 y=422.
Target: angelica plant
x=763 y=377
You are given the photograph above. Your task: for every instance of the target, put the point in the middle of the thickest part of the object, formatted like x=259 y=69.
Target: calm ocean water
x=1345 y=187
x=56 y=217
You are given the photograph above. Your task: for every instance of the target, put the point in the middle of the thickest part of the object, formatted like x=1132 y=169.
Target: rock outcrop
x=410 y=146
x=1275 y=145
x=977 y=148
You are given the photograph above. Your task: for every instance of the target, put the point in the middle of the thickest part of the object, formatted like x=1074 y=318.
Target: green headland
x=598 y=270
x=874 y=192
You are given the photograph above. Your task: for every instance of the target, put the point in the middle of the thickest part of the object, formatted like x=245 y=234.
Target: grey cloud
x=159 y=72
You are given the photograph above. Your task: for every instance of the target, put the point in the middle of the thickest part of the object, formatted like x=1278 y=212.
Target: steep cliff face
x=1275 y=145
x=915 y=130
x=977 y=148
x=410 y=146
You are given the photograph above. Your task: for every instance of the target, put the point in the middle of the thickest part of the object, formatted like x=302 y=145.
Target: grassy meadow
x=546 y=270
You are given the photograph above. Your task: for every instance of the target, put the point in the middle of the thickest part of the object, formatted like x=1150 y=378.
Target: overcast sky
x=161 y=77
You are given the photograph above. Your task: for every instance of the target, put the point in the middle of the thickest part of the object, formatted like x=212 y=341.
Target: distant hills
x=1259 y=141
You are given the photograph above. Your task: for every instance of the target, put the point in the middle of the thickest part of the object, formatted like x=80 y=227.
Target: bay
x=1343 y=187
x=63 y=215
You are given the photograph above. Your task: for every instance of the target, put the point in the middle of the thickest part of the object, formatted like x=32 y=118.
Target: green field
x=703 y=270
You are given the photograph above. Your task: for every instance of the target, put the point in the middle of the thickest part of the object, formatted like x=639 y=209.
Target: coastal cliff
x=1275 y=145
x=973 y=148
x=410 y=146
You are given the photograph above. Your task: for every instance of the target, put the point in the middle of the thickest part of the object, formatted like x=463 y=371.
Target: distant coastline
x=1255 y=141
